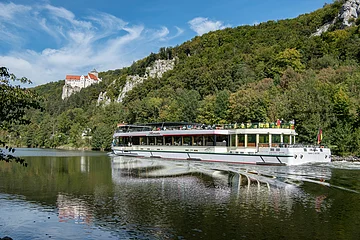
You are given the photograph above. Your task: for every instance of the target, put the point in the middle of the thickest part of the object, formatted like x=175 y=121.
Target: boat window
x=271 y=149
x=198 y=140
x=275 y=139
x=187 y=140
x=321 y=150
x=152 y=140
x=135 y=140
x=177 y=140
x=168 y=141
x=264 y=140
x=251 y=140
x=241 y=140
x=123 y=141
x=278 y=149
x=209 y=140
x=159 y=141
x=222 y=140
x=305 y=150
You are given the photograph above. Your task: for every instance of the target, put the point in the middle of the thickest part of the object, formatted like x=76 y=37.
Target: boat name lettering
x=154 y=133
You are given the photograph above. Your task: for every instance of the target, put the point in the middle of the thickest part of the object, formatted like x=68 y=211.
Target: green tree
x=102 y=137
x=14 y=101
x=207 y=110
x=248 y=105
x=221 y=108
x=290 y=57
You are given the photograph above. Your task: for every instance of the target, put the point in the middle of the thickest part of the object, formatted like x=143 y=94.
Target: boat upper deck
x=173 y=129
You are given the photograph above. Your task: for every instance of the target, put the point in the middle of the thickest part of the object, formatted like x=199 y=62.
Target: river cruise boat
x=250 y=143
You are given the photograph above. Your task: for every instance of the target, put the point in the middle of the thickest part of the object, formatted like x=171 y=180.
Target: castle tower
x=95 y=73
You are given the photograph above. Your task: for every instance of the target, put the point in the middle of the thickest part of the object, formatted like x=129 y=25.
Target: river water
x=90 y=195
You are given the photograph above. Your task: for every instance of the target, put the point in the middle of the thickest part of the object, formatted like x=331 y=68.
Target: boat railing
x=255 y=125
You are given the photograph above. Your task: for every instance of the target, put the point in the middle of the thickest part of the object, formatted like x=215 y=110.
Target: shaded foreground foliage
x=15 y=100
x=260 y=73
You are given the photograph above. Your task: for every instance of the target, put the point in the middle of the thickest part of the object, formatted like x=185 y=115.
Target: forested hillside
x=276 y=69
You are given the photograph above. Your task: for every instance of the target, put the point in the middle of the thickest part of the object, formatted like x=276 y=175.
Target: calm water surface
x=90 y=195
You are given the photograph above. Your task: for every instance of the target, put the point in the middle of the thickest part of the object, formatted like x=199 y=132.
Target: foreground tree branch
x=14 y=101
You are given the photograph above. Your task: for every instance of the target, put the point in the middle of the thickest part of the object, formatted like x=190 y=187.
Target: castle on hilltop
x=74 y=83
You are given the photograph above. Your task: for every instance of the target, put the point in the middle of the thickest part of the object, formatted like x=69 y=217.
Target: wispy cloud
x=203 y=25
x=10 y=10
x=72 y=44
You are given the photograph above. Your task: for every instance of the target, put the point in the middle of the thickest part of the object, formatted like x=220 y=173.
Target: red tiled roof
x=92 y=76
x=72 y=77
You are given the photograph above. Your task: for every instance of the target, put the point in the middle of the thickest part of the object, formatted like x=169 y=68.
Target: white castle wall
x=74 y=84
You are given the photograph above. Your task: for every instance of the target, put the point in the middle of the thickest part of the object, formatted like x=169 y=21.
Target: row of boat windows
x=205 y=140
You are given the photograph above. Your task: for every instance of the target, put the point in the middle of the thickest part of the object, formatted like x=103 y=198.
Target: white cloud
x=203 y=25
x=10 y=10
x=72 y=44
x=163 y=34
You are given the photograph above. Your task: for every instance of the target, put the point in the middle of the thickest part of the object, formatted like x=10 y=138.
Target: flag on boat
x=319 y=136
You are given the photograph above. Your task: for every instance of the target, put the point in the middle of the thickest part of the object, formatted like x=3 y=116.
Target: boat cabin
x=233 y=136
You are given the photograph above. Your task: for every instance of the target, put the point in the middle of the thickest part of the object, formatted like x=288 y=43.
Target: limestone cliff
x=131 y=82
x=158 y=68
x=349 y=13
x=68 y=91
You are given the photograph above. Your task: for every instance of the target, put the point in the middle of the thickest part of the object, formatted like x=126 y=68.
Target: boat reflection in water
x=275 y=186
x=73 y=209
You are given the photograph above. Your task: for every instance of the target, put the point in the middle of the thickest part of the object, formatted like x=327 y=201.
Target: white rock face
x=68 y=91
x=155 y=71
x=159 y=68
x=131 y=82
x=349 y=12
x=323 y=29
x=103 y=99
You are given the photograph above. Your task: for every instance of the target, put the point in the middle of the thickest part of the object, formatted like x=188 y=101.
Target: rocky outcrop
x=68 y=91
x=131 y=82
x=157 y=70
x=103 y=99
x=323 y=29
x=349 y=13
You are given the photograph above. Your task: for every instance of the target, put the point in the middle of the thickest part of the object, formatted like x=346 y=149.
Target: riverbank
x=66 y=147
x=347 y=159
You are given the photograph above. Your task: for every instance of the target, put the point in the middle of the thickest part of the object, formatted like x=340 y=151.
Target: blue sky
x=47 y=39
